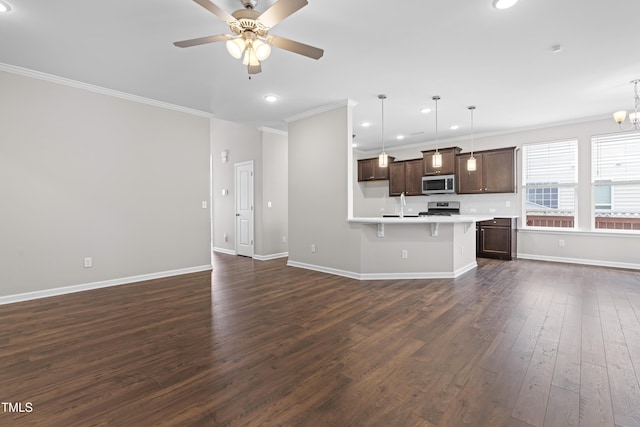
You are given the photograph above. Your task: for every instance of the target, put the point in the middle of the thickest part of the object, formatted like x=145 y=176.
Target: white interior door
x=244 y=208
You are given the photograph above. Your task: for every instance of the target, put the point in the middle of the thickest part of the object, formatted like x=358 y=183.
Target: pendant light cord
x=472 y=108
x=436 y=98
x=382 y=97
x=382 y=135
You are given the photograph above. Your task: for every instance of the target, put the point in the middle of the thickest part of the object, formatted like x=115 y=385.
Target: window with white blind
x=550 y=181
x=616 y=181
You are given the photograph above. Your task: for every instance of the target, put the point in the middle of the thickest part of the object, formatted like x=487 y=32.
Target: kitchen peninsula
x=417 y=247
x=425 y=246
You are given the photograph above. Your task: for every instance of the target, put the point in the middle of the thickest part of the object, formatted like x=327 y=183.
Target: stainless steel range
x=442 y=209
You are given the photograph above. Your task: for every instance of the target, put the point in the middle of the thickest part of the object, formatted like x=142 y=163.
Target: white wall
x=319 y=161
x=275 y=196
x=243 y=144
x=268 y=151
x=84 y=174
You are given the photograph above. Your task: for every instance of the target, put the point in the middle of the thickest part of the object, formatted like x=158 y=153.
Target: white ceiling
x=463 y=50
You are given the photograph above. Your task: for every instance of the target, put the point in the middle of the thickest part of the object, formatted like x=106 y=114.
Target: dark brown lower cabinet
x=496 y=238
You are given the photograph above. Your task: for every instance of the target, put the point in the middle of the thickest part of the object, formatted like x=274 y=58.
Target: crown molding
x=272 y=130
x=101 y=90
x=344 y=103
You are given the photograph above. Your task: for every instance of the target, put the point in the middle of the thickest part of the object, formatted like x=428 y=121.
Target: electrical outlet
x=313 y=248
x=507 y=204
x=404 y=254
x=491 y=210
x=561 y=243
x=284 y=239
x=204 y=204
x=473 y=210
x=226 y=237
x=88 y=262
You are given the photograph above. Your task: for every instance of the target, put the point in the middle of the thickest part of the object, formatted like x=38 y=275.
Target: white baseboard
x=96 y=285
x=256 y=257
x=385 y=276
x=271 y=256
x=322 y=269
x=225 y=251
x=599 y=263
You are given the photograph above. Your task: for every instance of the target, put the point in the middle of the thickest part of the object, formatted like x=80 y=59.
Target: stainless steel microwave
x=439 y=184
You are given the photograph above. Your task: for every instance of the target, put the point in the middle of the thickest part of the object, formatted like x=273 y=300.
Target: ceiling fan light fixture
x=235 y=47
x=4 y=6
x=262 y=49
x=250 y=58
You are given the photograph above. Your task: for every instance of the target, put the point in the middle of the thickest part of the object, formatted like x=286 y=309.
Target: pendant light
x=437 y=157
x=471 y=161
x=383 y=159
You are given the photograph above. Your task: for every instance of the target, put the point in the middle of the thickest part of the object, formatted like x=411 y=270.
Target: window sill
x=577 y=232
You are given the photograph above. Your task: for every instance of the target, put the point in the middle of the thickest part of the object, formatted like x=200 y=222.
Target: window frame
x=559 y=186
x=615 y=185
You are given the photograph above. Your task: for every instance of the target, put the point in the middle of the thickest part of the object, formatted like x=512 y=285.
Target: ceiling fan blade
x=225 y=16
x=296 y=47
x=254 y=69
x=202 y=40
x=280 y=10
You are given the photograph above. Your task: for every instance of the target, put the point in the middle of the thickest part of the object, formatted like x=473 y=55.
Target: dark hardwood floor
x=256 y=343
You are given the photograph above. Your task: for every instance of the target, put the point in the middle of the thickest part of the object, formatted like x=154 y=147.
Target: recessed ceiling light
x=4 y=6
x=270 y=98
x=504 y=4
x=365 y=124
x=454 y=127
x=400 y=137
x=425 y=110
x=354 y=145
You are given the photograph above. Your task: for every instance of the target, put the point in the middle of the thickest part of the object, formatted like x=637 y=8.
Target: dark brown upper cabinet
x=369 y=170
x=448 y=161
x=495 y=172
x=405 y=177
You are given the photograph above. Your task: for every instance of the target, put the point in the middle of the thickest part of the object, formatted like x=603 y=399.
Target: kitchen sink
x=398 y=216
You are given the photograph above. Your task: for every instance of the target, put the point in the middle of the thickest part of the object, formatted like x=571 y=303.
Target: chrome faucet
x=403 y=203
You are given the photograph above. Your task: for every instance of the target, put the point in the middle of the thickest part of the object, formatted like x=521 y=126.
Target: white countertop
x=434 y=219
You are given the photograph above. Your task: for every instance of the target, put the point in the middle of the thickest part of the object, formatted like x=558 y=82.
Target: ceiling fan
x=251 y=39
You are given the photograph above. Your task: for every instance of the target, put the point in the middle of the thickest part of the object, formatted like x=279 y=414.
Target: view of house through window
x=616 y=181
x=550 y=182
